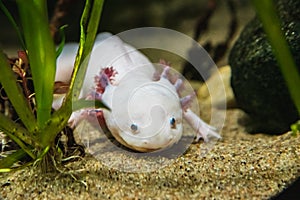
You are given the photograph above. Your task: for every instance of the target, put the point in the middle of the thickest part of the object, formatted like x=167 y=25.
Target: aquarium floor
x=240 y=166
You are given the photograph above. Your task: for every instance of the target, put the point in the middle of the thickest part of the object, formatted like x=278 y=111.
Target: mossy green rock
x=257 y=82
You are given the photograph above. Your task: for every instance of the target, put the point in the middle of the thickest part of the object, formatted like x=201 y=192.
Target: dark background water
x=120 y=15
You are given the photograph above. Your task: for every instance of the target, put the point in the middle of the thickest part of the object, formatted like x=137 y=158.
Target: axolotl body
x=146 y=111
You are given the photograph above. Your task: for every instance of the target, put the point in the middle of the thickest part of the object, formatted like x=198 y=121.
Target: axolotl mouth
x=154 y=142
x=143 y=144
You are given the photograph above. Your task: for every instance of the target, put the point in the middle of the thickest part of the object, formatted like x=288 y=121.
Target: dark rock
x=289 y=193
x=257 y=82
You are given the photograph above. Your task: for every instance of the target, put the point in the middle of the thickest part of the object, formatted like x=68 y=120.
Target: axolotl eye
x=134 y=127
x=173 y=122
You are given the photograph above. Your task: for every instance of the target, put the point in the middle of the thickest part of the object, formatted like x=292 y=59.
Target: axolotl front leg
x=94 y=116
x=203 y=130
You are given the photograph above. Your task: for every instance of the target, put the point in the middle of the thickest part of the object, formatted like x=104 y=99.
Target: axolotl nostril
x=147 y=111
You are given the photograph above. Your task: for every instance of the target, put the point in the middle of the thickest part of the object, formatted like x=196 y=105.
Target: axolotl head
x=147 y=117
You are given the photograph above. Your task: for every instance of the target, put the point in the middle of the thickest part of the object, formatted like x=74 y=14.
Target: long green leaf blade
x=62 y=43
x=13 y=22
x=272 y=26
x=82 y=103
x=88 y=29
x=91 y=16
x=15 y=95
x=41 y=53
x=18 y=134
x=11 y=159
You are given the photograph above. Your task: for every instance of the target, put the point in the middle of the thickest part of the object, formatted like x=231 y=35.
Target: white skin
x=146 y=114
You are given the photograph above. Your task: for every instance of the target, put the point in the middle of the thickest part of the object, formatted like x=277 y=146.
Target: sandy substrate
x=240 y=166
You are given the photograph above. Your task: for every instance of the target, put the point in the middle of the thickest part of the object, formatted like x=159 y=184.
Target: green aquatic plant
x=272 y=25
x=39 y=125
x=295 y=128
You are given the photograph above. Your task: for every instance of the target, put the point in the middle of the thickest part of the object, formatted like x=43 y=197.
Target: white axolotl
x=146 y=109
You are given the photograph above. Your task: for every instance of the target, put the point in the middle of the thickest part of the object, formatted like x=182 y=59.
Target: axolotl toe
x=146 y=111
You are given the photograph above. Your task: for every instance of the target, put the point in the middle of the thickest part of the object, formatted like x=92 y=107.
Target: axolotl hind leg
x=94 y=116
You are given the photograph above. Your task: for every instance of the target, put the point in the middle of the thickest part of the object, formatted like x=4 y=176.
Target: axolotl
x=146 y=110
